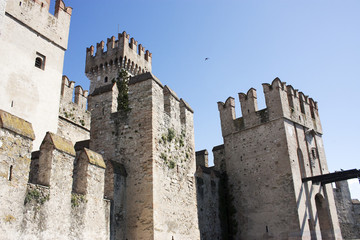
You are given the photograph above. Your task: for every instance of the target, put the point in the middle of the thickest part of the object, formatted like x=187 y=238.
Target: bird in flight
x=207 y=59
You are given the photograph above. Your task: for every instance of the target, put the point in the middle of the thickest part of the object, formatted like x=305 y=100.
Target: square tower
x=268 y=153
x=148 y=148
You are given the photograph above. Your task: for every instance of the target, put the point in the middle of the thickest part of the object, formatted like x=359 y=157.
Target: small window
x=106 y=79
x=302 y=107
x=314 y=153
x=312 y=111
x=10 y=173
x=40 y=61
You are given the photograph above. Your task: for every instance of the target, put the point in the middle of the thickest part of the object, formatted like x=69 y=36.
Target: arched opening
x=38 y=62
x=106 y=79
x=323 y=216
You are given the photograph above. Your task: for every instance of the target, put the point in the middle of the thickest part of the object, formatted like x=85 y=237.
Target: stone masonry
x=74 y=118
x=132 y=173
x=64 y=203
x=154 y=145
x=348 y=211
x=29 y=35
x=267 y=153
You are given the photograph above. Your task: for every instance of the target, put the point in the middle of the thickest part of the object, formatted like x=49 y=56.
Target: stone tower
x=32 y=45
x=267 y=154
x=149 y=151
x=124 y=53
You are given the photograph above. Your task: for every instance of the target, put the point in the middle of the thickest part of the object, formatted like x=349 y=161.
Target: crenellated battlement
x=281 y=101
x=35 y=15
x=73 y=106
x=66 y=187
x=123 y=53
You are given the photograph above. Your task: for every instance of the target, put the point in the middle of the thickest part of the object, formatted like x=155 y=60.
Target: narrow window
x=106 y=79
x=20 y=4
x=290 y=100
x=314 y=153
x=267 y=229
x=10 y=173
x=302 y=107
x=312 y=111
x=40 y=61
x=12 y=103
x=42 y=4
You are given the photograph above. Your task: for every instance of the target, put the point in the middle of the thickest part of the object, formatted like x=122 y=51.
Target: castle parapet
x=16 y=137
x=281 y=101
x=124 y=53
x=74 y=111
x=35 y=15
x=219 y=158
x=202 y=158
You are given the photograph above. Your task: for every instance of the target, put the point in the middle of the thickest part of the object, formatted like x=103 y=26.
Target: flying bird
x=207 y=59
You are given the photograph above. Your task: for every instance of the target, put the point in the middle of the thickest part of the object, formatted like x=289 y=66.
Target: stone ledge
x=144 y=77
x=60 y=143
x=16 y=124
x=95 y=158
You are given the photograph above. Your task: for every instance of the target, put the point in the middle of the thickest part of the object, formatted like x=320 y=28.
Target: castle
x=92 y=169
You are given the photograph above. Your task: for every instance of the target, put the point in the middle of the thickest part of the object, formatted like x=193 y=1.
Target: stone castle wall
x=74 y=118
x=62 y=203
x=210 y=199
x=348 y=211
x=267 y=153
x=154 y=144
x=29 y=32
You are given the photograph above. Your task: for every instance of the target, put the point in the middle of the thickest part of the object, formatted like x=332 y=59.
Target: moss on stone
x=95 y=158
x=62 y=144
x=77 y=199
x=37 y=196
x=9 y=218
x=17 y=125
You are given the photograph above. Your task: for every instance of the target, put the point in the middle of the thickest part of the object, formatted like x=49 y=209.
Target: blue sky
x=312 y=45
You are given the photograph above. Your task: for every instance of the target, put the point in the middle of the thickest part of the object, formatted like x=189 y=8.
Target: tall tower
x=123 y=53
x=32 y=46
x=149 y=151
x=268 y=152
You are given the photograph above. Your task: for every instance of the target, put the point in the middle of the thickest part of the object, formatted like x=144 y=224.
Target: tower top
x=124 y=52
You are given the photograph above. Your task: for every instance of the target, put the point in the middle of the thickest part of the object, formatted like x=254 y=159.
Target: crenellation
x=133 y=172
x=100 y=48
x=111 y=43
x=61 y=8
x=53 y=27
x=74 y=118
x=15 y=155
x=249 y=107
x=281 y=102
x=81 y=97
x=202 y=158
x=219 y=158
x=227 y=116
x=124 y=53
x=49 y=206
x=274 y=147
x=67 y=89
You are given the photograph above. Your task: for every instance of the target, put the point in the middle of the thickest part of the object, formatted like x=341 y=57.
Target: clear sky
x=312 y=45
